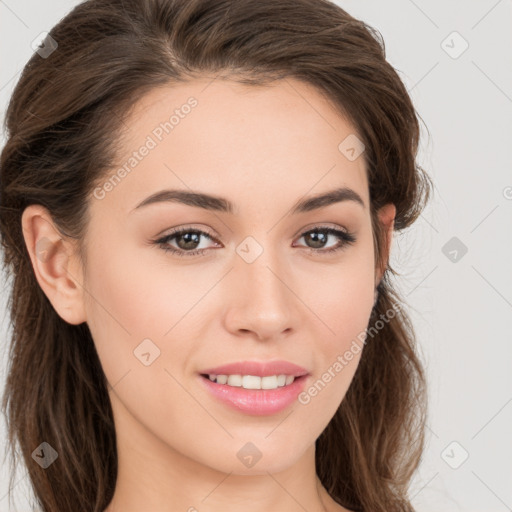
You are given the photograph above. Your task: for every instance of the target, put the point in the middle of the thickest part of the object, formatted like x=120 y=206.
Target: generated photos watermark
x=343 y=360
x=152 y=140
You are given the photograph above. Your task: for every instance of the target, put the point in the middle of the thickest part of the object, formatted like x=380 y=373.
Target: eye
x=188 y=239
x=319 y=236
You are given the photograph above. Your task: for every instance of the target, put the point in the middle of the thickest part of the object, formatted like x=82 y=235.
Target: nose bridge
x=259 y=267
x=262 y=301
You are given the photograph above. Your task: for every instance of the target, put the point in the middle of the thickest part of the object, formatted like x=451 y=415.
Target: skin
x=263 y=148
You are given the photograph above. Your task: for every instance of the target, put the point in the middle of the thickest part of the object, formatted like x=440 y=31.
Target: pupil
x=190 y=238
x=316 y=237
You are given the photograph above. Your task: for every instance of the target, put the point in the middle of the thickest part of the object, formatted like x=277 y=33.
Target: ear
x=55 y=263
x=386 y=215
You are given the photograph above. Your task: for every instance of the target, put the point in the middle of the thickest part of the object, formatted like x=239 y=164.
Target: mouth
x=254 y=395
x=253 y=382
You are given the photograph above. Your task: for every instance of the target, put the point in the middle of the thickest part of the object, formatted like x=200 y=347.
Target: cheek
x=337 y=357
x=348 y=310
x=135 y=297
x=138 y=293
x=342 y=298
x=343 y=301
x=121 y=307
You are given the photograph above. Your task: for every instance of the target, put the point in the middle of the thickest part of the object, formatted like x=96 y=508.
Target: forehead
x=236 y=140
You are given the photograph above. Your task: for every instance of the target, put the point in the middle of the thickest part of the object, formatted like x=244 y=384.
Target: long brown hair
x=61 y=124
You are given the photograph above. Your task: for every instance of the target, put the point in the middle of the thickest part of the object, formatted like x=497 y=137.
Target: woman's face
x=263 y=288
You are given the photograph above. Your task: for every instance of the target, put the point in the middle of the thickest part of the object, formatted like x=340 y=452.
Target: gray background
x=461 y=304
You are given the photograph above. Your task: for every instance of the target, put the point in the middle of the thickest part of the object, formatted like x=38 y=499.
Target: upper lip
x=257 y=368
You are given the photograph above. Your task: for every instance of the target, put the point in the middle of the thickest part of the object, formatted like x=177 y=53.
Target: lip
x=258 y=368
x=255 y=402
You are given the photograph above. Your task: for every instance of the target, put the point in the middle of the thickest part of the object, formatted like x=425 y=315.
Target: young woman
x=198 y=200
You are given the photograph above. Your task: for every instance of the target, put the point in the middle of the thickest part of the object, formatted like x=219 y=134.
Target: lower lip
x=258 y=402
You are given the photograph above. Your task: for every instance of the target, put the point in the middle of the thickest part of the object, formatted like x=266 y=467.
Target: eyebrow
x=220 y=204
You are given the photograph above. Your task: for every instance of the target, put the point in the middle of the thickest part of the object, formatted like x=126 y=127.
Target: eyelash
x=346 y=237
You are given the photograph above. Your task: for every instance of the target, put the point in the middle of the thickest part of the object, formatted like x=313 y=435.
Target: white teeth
x=253 y=381
x=235 y=380
x=269 y=382
x=222 y=379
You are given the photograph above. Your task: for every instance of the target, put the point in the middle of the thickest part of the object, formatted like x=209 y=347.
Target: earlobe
x=54 y=262
x=386 y=216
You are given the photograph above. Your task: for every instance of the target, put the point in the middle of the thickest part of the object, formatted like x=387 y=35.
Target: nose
x=262 y=302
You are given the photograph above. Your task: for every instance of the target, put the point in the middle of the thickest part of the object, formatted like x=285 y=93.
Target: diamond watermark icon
x=43 y=247
x=146 y=352
x=44 y=455
x=454 y=45
x=249 y=249
x=454 y=455
x=44 y=45
x=249 y=455
x=454 y=249
x=351 y=147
